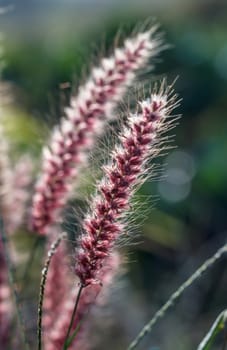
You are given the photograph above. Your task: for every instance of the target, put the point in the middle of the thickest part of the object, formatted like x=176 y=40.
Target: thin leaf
x=176 y=295
x=73 y=336
x=216 y=328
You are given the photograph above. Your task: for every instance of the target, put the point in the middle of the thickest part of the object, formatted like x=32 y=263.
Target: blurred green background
x=49 y=47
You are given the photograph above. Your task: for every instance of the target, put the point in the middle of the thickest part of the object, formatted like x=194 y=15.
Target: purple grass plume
x=139 y=141
x=84 y=121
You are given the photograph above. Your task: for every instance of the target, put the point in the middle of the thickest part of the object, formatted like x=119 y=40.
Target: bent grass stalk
x=57 y=286
x=176 y=295
x=51 y=252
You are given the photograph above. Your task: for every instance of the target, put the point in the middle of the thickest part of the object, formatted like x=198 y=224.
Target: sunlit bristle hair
x=139 y=141
x=84 y=121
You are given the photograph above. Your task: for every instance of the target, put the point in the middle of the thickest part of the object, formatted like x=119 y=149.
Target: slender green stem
x=51 y=252
x=162 y=311
x=73 y=336
x=217 y=327
x=66 y=343
x=11 y=274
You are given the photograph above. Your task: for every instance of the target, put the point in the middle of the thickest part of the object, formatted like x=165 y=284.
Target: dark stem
x=66 y=343
x=51 y=252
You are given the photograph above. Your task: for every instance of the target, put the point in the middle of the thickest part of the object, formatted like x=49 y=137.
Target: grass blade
x=216 y=328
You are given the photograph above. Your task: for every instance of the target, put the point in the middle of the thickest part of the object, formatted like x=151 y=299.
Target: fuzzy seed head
x=104 y=223
x=84 y=121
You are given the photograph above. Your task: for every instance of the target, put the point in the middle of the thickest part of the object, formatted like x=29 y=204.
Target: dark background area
x=48 y=48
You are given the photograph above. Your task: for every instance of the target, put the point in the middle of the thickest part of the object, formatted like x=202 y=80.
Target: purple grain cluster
x=103 y=225
x=84 y=121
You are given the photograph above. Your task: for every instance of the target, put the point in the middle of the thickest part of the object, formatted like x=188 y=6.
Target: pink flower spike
x=83 y=122
x=139 y=141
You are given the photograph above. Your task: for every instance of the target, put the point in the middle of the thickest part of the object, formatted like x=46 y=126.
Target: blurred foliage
x=23 y=131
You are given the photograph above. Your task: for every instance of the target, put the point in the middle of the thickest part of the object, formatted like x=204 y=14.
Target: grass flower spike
x=139 y=141
x=83 y=122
